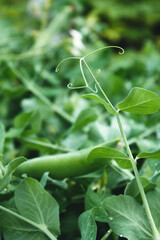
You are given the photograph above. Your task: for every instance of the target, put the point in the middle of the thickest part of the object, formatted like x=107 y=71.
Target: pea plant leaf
x=87 y=222
x=154 y=204
x=87 y=226
x=93 y=199
x=36 y=216
x=37 y=205
x=140 y=101
x=110 y=153
x=14 y=228
x=152 y=155
x=127 y=218
x=100 y=100
x=9 y=169
x=133 y=190
x=26 y=123
x=85 y=117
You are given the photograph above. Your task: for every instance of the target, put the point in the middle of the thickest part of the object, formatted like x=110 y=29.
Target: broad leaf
x=100 y=100
x=127 y=218
x=110 y=153
x=153 y=198
x=133 y=190
x=9 y=169
x=140 y=101
x=153 y=155
x=14 y=228
x=36 y=204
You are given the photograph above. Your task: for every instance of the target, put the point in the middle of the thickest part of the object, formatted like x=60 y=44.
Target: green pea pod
x=66 y=165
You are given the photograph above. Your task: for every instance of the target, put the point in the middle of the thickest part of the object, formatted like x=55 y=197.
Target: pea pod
x=63 y=165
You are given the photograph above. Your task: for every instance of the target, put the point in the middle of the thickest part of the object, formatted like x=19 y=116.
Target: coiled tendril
x=70 y=85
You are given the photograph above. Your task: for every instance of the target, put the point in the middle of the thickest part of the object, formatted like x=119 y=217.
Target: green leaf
x=100 y=214
x=87 y=222
x=84 y=118
x=22 y=119
x=93 y=199
x=2 y=136
x=21 y=234
x=153 y=198
x=44 y=179
x=100 y=100
x=133 y=190
x=9 y=169
x=14 y=228
x=140 y=101
x=127 y=218
x=153 y=155
x=106 y=152
x=37 y=205
x=30 y=119
x=87 y=225
x=14 y=132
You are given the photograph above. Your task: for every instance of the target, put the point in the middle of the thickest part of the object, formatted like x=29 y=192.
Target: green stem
x=39 y=226
x=143 y=196
x=107 y=99
x=47 y=145
x=107 y=234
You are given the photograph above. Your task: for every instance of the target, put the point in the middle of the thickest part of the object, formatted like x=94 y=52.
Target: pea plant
x=33 y=192
x=125 y=216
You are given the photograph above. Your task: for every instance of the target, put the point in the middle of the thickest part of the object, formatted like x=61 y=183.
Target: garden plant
x=79 y=120
x=34 y=214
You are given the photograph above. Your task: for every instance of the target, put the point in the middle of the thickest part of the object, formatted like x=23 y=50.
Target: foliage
x=64 y=170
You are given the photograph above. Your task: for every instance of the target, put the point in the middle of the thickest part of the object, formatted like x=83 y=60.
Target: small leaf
x=100 y=214
x=87 y=222
x=87 y=225
x=100 y=100
x=127 y=218
x=153 y=155
x=22 y=119
x=30 y=195
x=140 y=101
x=84 y=118
x=9 y=169
x=106 y=152
x=44 y=179
x=133 y=190
x=93 y=199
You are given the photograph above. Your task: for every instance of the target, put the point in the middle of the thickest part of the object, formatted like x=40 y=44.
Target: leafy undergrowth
x=65 y=172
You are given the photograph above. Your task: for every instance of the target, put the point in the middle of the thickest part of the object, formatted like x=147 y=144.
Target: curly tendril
x=70 y=86
x=69 y=58
x=102 y=48
x=82 y=59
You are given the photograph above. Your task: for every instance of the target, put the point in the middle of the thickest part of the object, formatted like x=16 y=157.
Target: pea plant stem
x=107 y=234
x=107 y=99
x=143 y=196
x=155 y=232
